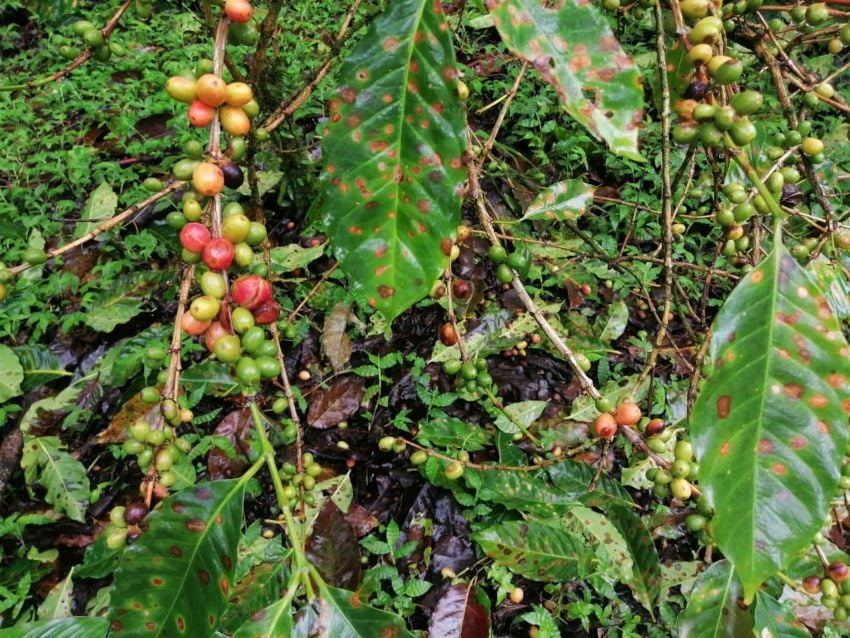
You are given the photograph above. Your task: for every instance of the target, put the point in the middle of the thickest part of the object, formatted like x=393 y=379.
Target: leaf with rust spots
x=770 y=424
x=337 y=403
x=573 y=48
x=333 y=548
x=335 y=341
x=179 y=572
x=393 y=150
x=563 y=201
x=459 y=615
x=714 y=608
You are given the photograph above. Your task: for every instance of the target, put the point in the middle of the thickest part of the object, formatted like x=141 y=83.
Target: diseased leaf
x=124 y=300
x=100 y=206
x=238 y=428
x=78 y=627
x=11 y=374
x=333 y=548
x=605 y=539
x=292 y=256
x=770 y=425
x=339 y=402
x=458 y=615
x=335 y=341
x=275 y=621
x=646 y=577
x=714 y=609
x=773 y=620
x=573 y=48
x=536 y=550
x=341 y=614
x=176 y=578
x=564 y=201
x=46 y=462
x=394 y=148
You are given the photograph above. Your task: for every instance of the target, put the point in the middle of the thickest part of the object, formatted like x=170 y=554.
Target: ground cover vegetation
x=509 y=318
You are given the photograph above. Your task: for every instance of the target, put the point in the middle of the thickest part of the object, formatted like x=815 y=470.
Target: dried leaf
x=335 y=342
x=337 y=403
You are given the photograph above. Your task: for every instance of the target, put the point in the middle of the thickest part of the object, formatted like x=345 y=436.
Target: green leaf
x=770 y=425
x=713 y=609
x=60 y=628
x=11 y=374
x=563 y=201
x=210 y=377
x=123 y=301
x=394 y=148
x=293 y=256
x=607 y=542
x=176 y=578
x=451 y=432
x=536 y=550
x=46 y=462
x=40 y=366
x=524 y=413
x=341 y=614
x=616 y=322
x=100 y=206
x=275 y=621
x=646 y=577
x=773 y=620
x=573 y=48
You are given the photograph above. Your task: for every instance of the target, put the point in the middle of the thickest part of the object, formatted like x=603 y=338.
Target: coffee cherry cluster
x=627 y=414
x=834 y=589
x=159 y=448
x=92 y=38
x=472 y=376
x=676 y=481
x=301 y=483
x=506 y=264
x=124 y=520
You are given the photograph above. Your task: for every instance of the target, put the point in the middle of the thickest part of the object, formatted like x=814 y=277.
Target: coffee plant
x=406 y=318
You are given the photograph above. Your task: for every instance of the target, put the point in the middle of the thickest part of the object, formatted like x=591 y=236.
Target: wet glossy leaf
x=341 y=614
x=566 y=200
x=238 y=428
x=275 y=621
x=333 y=548
x=124 y=300
x=714 y=609
x=770 y=425
x=210 y=377
x=11 y=374
x=573 y=48
x=40 y=366
x=458 y=615
x=47 y=462
x=100 y=206
x=176 y=578
x=773 y=620
x=394 y=150
x=125 y=359
x=335 y=342
x=451 y=432
x=536 y=550
x=60 y=628
x=615 y=323
x=339 y=402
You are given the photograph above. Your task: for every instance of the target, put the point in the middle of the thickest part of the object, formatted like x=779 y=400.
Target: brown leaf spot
x=336 y=117
x=385 y=291
x=224 y=584
x=793 y=390
x=783 y=353
x=765 y=446
x=822 y=427
x=381 y=270
x=845 y=406
x=348 y=94
x=387 y=98
x=333 y=105
x=836 y=380
x=204 y=493
x=363 y=75
x=423 y=205
x=330 y=168
x=157 y=581
x=802 y=292
x=390 y=44
x=413 y=88
x=150 y=626
x=196 y=525
x=779 y=469
x=757 y=276
x=136 y=605
x=789 y=320
x=798 y=442
x=354 y=601
x=378 y=145
x=724 y=449
x=204 y=576
x=818 y=401
x=729 y=356
x=211 y=620
x=381 y=251
x=724 y=405
x=357 y=135
x=177 y=507
x=446 y=246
